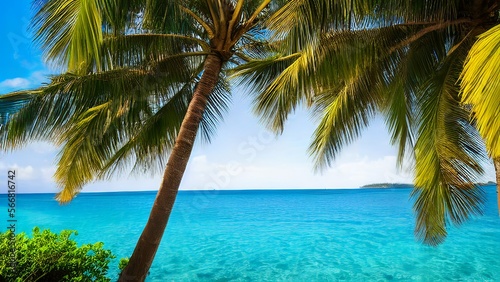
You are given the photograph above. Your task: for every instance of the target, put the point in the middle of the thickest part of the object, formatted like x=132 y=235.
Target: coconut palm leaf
x=145 y=49
x=69 y=32
x=11 y=104
x=448 y=157
x=67 y=96
x=480 y=86
x=117 y=21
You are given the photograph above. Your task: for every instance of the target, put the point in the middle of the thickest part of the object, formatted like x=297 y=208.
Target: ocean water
x=293 y=235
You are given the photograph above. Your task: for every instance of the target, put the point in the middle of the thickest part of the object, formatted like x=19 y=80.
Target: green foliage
x=353 y=60
x=480 y=86
x=48 y=256
x=12 y=103
x=123 y=263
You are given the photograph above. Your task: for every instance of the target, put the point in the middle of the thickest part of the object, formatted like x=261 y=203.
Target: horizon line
x=485 y=184
x=203 y=190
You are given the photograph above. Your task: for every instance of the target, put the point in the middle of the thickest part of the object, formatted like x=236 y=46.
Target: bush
x=123 y=263
x=47 y=256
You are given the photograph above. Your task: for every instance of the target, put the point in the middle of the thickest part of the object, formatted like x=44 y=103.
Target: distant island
x=406 y=185
x=489 y=183
x=388 y=185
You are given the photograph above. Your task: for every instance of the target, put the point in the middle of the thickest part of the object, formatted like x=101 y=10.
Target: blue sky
x=243 y=154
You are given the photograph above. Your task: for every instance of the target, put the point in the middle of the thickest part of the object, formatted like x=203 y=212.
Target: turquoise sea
x=278 y=235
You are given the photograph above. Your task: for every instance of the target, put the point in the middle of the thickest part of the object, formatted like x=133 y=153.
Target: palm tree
x=400 y=59
x=139 y=79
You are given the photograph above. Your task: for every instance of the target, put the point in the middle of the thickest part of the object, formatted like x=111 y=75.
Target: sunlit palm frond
x=69 y=32
x=408 y=69
x=297 y=22
x=93 y=138
x=292 y=87
x=109 y=137
x=69 y=96
x=81 y=156
x=342 y=54
x=448 y=157
x=416 y=64
x=344 y=113
x=36 y=120
x=217 y=106
x=302 y=21
x=275 y=82
x=368 y=62
x=148 y=145
x=304 y=17
x=148 y=50
x=481 y=86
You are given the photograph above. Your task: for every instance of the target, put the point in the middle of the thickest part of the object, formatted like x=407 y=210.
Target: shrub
x=47 y=256
x=123 y=263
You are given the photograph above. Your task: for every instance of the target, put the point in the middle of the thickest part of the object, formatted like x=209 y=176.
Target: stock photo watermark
x=11 y=219
x=20 y=41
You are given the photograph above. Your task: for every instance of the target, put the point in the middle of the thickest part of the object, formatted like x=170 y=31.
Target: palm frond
x=146 y=50
x=276 y=84
x=409 y=68
x=218 y=104
x=448 y=156
x=69 y=32
x=54 y=106
x=81 y=156
x=353 y=84
x=118 y=15
x=480 y=87
x=11 y=104
x=147 y=147
x=399 y=118
x=344 y=112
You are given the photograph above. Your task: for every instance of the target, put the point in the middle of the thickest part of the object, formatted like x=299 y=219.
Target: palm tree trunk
x=148 y=243
x=497 y=172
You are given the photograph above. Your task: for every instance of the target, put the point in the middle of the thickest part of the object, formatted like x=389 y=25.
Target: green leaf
x=480 y=87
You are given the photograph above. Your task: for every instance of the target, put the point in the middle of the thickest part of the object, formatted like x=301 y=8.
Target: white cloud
x=47 y=173
x=364 y=171
x=199 y=163
x=17 y=82
x=33 y=80
x=346 y=173
x=22 y=172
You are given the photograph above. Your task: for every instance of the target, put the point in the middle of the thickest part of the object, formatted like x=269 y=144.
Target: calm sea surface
x=294 y=235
